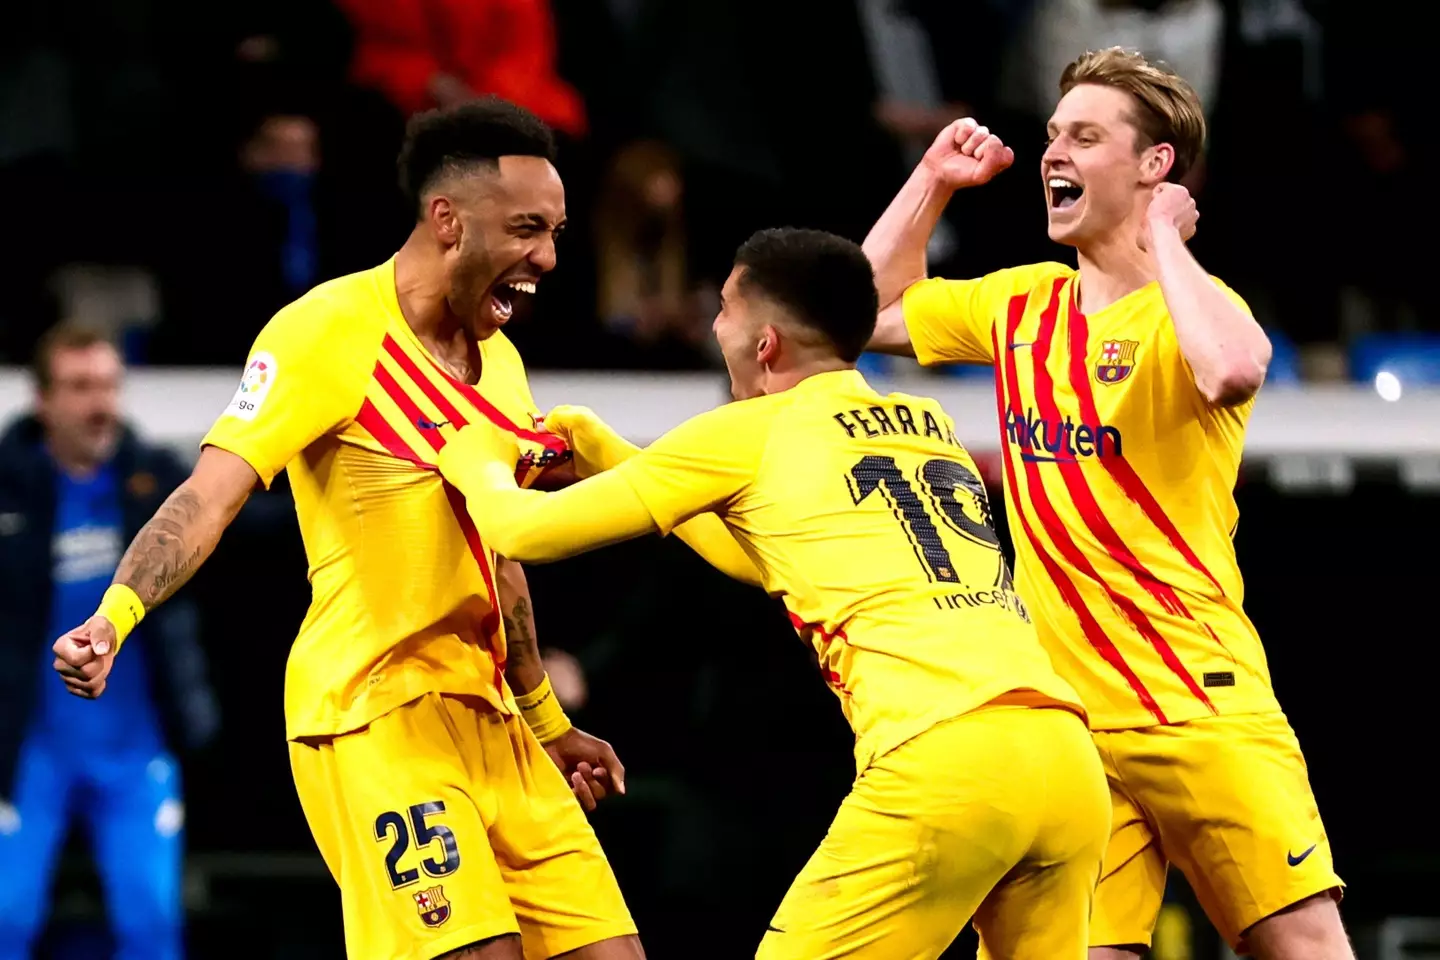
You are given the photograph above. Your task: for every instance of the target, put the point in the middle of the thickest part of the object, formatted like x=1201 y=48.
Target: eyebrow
x=537 y=221
x=1074 y=125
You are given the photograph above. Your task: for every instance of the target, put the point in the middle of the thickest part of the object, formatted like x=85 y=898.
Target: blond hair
x=1167 y=108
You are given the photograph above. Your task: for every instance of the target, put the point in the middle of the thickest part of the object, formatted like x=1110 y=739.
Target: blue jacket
x=186 y=703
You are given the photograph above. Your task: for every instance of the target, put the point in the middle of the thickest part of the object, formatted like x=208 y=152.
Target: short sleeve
x=950 y=321
x=299 y=384
x=701 y=465
x=1235 y=298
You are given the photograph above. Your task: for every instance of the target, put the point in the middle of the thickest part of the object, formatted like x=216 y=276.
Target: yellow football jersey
x=867 y=517
x=338 y=390
x=1119 y=480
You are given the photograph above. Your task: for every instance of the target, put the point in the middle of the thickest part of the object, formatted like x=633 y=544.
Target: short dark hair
x=823 y=281
x=66 y=335
x=477 y=132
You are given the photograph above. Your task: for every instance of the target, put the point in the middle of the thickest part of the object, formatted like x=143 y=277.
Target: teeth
x=502 y=309
x=1060 y=183
x=524 y=286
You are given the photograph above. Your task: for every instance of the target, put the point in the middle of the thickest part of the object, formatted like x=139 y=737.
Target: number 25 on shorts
x=395 y=827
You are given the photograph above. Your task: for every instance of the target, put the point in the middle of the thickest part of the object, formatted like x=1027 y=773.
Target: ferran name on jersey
x=434 y=909
x=1117 y=360
x=255 y=385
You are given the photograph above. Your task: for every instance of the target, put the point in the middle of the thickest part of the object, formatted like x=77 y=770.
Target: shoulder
x=998 y=285
x=500 y=350
x=332 y=331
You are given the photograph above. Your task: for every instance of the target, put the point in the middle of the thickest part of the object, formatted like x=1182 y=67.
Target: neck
x=420 y=287
x=1111 y=267
x=73 y=463
x=778 y=381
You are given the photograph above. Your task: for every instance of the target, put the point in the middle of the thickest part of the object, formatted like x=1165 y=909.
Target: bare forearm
x=896 y=248
x=524 y=669
x=1227 y=350
x=171 y=547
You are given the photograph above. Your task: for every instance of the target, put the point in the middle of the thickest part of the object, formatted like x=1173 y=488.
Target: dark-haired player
x=978 y=790
x=449 y=830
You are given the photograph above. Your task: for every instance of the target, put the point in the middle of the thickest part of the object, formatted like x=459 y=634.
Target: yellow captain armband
x=542 y=711
x=122 y=607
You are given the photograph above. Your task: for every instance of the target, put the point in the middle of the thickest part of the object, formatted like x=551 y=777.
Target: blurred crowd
x=176 y=172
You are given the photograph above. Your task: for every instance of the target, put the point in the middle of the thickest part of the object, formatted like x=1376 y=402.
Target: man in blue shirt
x=75 y=486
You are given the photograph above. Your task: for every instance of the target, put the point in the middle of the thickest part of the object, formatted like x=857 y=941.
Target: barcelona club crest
x=434 y=908
x=1117 y=359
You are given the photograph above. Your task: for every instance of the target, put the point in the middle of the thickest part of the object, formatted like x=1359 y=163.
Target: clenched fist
x=83 y=657
x=1171 y=208
x=966 y=154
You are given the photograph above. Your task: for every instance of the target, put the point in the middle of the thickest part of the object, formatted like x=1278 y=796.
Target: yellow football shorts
x=1227 y=800
x=1001 y=815
x=445 y=822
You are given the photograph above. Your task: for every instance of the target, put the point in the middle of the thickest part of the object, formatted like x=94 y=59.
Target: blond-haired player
x=1123 y=390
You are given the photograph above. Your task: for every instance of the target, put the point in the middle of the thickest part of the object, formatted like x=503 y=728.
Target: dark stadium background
x=770 y=113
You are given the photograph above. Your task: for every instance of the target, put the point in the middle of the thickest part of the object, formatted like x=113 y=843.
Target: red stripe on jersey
x=373 y=422
x=1083 y=499
x=407 y=406
x=489 y=411
x=490 y=623
x=426 y=385
x=1124 y=475
x=826 y=638
x=1007 y=398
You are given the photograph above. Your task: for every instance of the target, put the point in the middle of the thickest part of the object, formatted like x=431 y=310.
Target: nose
x=543 y=255
x=1055 y=152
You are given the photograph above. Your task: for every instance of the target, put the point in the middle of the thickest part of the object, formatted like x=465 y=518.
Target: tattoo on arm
x=524 y=670
x=167 y=550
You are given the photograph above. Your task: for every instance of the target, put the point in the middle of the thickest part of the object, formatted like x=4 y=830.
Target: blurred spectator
x=644 y=291
x=437 y=53
x=75 y=486
x=1185 y=34
x=269 y=248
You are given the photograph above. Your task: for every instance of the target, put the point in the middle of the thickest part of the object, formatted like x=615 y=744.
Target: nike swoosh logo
x=771 y=928
x=1295 y=861
x=1036 y=458
x=424 y=424
x=1017 y=346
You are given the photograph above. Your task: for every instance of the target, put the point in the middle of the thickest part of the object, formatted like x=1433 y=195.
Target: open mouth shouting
x=1064 y=192
x=508 y=294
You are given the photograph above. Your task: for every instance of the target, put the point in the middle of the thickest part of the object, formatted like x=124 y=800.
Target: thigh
x=925 y=834
x=400 y=824
x=1132 y=875
x=136 y=820
x=1042 y=909
x=560 y=884
x=32 y=830
x=1231 y=799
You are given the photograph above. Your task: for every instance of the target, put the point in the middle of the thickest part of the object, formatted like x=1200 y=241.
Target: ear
x=768 y=346
x=444 y=220
x=1156 y=163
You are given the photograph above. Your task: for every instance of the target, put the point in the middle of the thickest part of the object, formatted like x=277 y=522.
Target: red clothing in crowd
x=504 y=47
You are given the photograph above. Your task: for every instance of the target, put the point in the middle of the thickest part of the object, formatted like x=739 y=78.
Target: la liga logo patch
x=255 y=385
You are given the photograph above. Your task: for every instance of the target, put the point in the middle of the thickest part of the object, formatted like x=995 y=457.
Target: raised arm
x=1226 y=349
x=965 y=154
x=163 y=556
